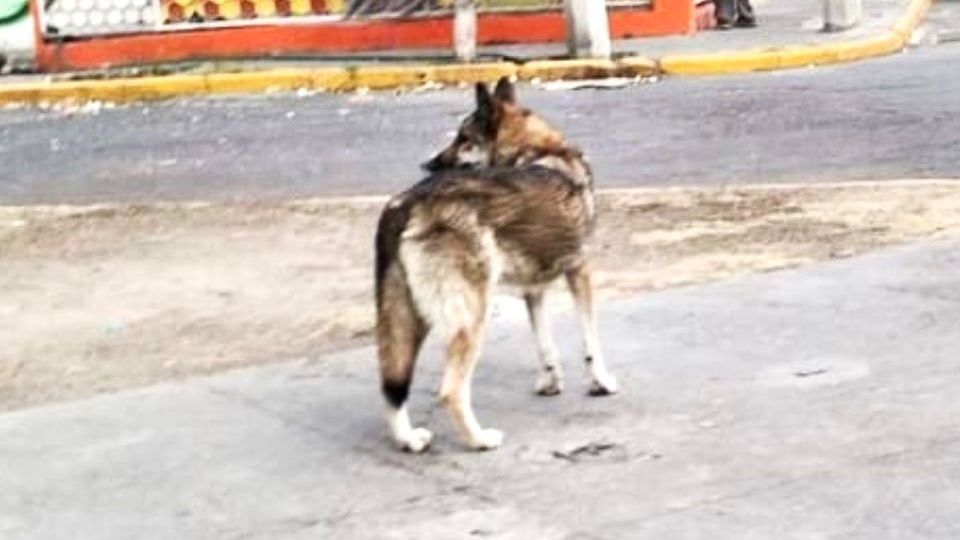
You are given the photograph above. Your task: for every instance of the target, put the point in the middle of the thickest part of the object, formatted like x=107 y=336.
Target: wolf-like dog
x=509 y=201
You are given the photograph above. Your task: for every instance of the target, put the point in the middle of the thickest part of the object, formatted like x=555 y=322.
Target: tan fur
x=443 y=245
x=523 y=132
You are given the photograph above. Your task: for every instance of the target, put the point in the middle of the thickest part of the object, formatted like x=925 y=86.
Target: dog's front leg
x=603 y=383
x=550 y=380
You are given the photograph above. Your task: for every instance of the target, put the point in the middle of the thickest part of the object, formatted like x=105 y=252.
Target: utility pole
x=465 y=30
x=841 y=14
x=588 y=31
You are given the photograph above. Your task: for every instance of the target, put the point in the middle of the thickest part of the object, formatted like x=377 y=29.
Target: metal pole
x=841 y=14
x=588 y=31
x=465 y=30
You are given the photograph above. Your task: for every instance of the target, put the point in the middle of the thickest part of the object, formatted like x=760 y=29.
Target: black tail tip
x=396 y=392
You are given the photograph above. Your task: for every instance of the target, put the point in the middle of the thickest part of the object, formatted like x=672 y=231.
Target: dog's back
x=537 y=218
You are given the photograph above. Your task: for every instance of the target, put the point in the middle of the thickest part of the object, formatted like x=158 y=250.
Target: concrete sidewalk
x=781 y=23
x=814 y=403
x=789 y=36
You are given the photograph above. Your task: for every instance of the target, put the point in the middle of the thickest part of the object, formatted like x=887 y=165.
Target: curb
x=798 y=56
x=123 y=90
x=381 y=199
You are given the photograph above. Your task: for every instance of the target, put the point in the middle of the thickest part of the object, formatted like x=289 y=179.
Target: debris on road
x=591 y=449
x=612 y=83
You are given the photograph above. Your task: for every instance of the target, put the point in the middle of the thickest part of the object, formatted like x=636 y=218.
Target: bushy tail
x=400 y=328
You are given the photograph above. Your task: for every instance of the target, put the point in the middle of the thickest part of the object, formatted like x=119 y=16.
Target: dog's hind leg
x=400 y=333
x=578 y=279
x=550 y=380
x=451 y=273
x=463 y=351
x=467 y=302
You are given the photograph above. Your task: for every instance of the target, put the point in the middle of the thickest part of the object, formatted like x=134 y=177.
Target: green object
x=12 y=9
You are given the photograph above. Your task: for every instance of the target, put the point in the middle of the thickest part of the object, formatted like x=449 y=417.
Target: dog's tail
x=400 y=327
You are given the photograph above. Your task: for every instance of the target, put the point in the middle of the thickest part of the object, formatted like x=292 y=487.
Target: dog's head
x=497 y=132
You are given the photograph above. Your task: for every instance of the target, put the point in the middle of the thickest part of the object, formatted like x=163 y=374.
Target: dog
x=509 y=200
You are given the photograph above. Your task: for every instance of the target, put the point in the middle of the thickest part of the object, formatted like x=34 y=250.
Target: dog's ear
x=487 y=113
x=504 y=91
x=484 y=101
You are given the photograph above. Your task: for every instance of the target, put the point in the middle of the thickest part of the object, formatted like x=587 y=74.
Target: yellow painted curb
x=22 y=93
x=384 y=77
x=472 y=73
x=217 y=83
x=326 y=79
x=810 y=55
x=719 y=63
x=799 y=55
x=639 y=66
x=151 y=88
x=549 y=70
x=910 y=19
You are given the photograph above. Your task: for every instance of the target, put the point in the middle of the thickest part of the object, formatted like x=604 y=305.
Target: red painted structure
x=276 y=39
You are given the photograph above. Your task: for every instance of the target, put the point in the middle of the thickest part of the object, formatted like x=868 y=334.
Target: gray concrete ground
x=815 y=403
x=780 y=23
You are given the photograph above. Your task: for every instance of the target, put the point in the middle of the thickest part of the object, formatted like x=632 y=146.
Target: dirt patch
x=101 y=298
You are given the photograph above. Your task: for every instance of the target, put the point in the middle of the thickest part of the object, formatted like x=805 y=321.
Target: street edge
x=334 y=79
x=376 y=199
x=798 y=56
x=342 y=79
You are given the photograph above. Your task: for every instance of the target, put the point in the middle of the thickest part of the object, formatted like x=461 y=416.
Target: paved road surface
x=890 y=118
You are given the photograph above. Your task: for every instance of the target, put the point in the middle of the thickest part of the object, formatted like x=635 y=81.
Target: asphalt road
x=889 y=118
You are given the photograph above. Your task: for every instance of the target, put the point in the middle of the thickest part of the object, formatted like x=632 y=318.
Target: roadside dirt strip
x=99 y=298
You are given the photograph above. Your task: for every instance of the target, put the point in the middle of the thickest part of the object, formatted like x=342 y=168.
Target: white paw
x=603 y=386
x=549 y=383
x=417 y=440
x=487 y=439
